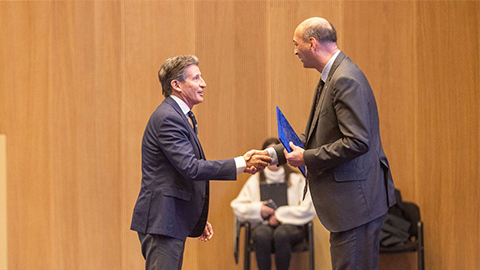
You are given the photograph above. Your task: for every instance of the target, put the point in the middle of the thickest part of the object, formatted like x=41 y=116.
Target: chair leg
x=246 y=260
x=421 y=247
x=311 y=251
x=421 y=263
x=312 y=258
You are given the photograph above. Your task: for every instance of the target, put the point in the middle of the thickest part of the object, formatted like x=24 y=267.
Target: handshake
x=256 y=161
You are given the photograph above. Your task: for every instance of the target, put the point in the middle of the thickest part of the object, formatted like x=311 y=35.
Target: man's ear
x=176 y=85
x=312 y=43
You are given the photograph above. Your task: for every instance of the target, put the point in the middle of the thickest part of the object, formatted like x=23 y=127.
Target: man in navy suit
x=173 y=200
x=348 y=173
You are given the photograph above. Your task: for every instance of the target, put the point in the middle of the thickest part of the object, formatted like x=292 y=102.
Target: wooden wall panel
x=87 y=86
x=78 y=81
x=154 y=31
x=379 y=37
x=448 y=131
x=216 y=49
x=3 y=203
x=232 y=118
x=24 y=82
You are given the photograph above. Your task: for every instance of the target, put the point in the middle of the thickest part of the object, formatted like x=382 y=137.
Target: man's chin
x=306 y=66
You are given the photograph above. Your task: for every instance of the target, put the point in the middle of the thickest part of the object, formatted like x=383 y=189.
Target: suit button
x=204 y=197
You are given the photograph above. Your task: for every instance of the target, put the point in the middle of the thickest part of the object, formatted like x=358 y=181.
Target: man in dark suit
x=173 y=200
x=348 y=173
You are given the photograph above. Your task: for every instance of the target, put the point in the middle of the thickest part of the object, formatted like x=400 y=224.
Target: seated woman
x=282 y=228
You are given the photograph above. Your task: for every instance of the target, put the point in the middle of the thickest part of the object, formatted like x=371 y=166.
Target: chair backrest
x=411 y=212
x=406 y=210
x=413 y=215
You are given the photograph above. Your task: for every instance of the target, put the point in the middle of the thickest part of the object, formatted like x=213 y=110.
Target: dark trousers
x=162 y=252
x=357 y=249
x=282 y=238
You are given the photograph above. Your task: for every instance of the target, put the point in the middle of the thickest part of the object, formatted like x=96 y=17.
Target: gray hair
x=174 y=69
x=321 y=33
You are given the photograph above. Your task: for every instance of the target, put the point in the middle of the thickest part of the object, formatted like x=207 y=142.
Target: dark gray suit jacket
x=348 y=172
x=175 y=176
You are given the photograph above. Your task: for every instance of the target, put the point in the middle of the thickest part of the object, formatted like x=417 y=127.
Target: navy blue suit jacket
x=175 y=176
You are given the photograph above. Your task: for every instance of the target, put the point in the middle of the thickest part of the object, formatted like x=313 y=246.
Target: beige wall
x=78 y=83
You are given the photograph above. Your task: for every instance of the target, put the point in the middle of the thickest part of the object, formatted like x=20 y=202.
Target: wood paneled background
x=78 y=84
x=3 y=202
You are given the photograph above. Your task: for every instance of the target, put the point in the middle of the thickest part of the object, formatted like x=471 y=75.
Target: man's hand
x=295 y=158
x=207 y=233
x=256 y=161
x=266 y=211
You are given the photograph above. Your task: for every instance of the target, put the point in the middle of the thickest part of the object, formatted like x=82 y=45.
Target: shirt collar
x=182 y=104
x=328 y=66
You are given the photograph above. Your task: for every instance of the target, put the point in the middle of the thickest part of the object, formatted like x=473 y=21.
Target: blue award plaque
x=286 y=134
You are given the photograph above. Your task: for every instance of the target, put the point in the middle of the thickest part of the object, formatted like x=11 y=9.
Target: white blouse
x=247 y=205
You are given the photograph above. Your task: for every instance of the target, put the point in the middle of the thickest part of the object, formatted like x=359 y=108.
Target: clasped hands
x=256 y=161
x=268 y=213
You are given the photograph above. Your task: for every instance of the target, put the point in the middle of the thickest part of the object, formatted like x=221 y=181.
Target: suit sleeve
x=352 y=115
x=172 y=136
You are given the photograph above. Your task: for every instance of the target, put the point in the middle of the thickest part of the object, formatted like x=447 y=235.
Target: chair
x=305 y=245
x=415 y=243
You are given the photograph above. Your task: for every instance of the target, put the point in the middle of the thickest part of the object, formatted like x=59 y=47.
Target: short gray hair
x=321 y=33
x=174 y=69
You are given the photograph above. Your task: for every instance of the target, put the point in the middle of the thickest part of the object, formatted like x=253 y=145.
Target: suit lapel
x=309 y=127
x=177 y=108
x=316 y=111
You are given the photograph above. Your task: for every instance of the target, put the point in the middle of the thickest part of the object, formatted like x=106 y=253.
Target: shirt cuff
x=273 y=154
x=240 y=164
